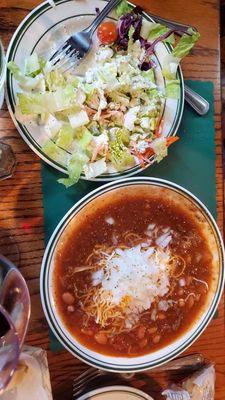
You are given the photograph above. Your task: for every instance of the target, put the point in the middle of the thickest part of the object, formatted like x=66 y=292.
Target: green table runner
x=190 y=163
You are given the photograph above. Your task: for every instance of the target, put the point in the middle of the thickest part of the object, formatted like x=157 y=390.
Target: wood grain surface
x=21 y=211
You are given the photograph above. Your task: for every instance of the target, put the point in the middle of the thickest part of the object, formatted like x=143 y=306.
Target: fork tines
x=85 y=378
x=65 y=57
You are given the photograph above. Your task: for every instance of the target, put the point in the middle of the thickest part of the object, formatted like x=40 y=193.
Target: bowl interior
x=86 y=207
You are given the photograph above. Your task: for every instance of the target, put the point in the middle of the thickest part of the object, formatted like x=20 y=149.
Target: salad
x=109 y=119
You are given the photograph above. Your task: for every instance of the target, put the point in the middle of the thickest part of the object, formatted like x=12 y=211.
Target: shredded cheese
x=133 y=278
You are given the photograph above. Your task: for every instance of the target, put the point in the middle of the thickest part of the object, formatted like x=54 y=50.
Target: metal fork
x=86 y=377
x=77 y=46
x=186 y=362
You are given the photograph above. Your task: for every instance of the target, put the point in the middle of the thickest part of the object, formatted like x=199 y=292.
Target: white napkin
x=31 y=380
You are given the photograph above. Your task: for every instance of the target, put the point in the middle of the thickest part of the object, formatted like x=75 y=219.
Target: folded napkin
x=31 y=380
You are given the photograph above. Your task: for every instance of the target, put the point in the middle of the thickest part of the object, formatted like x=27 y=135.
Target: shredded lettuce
x=54 y=80
x=32 y=65
x=173 y=89
x=160 y=149
x=119 y=154
x=182 y=49
x=150 y=75
x=84 y=138
x=185 y=44
x=75 y=167
x=94 y=169
x=38 y=103
x=25 y=82
x=157 y=30
x=55 y=153
x=65 y=137
x=78 y=119
x=123 y=8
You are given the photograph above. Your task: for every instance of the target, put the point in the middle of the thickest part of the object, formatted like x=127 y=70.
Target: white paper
x=31 y=381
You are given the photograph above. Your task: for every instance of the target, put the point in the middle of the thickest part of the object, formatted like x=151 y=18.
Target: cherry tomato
x=107 y=32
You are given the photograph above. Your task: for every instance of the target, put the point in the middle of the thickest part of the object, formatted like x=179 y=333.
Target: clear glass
x=9 y=349
x=7 y=157
x=7 y=161
x=2 y=73
x=14 y=318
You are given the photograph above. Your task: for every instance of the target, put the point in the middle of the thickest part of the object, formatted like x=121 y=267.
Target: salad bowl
x=42 y=32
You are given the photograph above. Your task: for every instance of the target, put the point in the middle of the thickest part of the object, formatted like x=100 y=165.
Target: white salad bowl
x=180 y=344
x=43 y=31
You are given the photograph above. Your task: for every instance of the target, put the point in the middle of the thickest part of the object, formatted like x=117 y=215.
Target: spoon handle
x=197 y=102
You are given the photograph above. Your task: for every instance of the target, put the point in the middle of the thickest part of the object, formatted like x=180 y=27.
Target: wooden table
x=21 y=211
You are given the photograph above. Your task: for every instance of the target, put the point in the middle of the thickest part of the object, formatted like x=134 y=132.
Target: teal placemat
x=190 y=163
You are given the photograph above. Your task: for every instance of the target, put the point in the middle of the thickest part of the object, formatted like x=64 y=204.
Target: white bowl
x=156 y=358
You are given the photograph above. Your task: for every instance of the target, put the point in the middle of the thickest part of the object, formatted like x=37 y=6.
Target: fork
x=77 y=46
x=89 y=375
x=188 y=362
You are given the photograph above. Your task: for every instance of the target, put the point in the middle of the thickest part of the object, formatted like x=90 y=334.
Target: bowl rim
x=115 y=388
x=199 y=327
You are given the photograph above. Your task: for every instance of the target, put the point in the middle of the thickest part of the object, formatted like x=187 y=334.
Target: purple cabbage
x=134 y=19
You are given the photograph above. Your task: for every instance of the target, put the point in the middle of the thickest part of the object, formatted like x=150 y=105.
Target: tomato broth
x=160 y=233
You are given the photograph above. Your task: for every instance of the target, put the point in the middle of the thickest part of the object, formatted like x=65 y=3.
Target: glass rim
x=17 y=350
x=2 y=65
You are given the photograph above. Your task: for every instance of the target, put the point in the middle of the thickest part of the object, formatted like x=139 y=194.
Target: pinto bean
x=181 y=302
x=152 y=330
x=188 y=280
x=101 y=337
x=190 y=301
x=156 y=339
x=161 y=316
x=141 y=332
x=143 y=343
x=70 y=308
x=68 y=298
x=88 y=332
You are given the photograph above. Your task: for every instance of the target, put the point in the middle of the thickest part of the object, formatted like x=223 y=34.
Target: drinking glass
x=9 y=349
x=14 y=318
x=2 y=73
x=7 y=157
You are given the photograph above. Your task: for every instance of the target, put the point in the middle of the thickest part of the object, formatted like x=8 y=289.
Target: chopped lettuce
x=25 y=82
x=78 y=119
x=65 y=137
x=160 y=149
x=173 y=88
x=182 y=49
x=120 y=155
x=52 y=125
x=38 y=103
x=157 y=30
x=186 y=43
x=54 y=80
x=84 y=138
x=123 y=8
x=55 y=153
x=32 y=65
x=75 y=167
x=150 y=75
x=94 y=169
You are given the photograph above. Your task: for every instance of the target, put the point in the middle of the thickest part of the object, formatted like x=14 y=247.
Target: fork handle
x=172 y=24
x=106 y=10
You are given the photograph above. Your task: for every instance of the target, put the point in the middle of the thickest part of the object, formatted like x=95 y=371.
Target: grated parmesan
x=134 y=278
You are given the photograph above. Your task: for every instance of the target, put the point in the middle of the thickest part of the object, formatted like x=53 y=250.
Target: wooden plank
x=21 y=211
